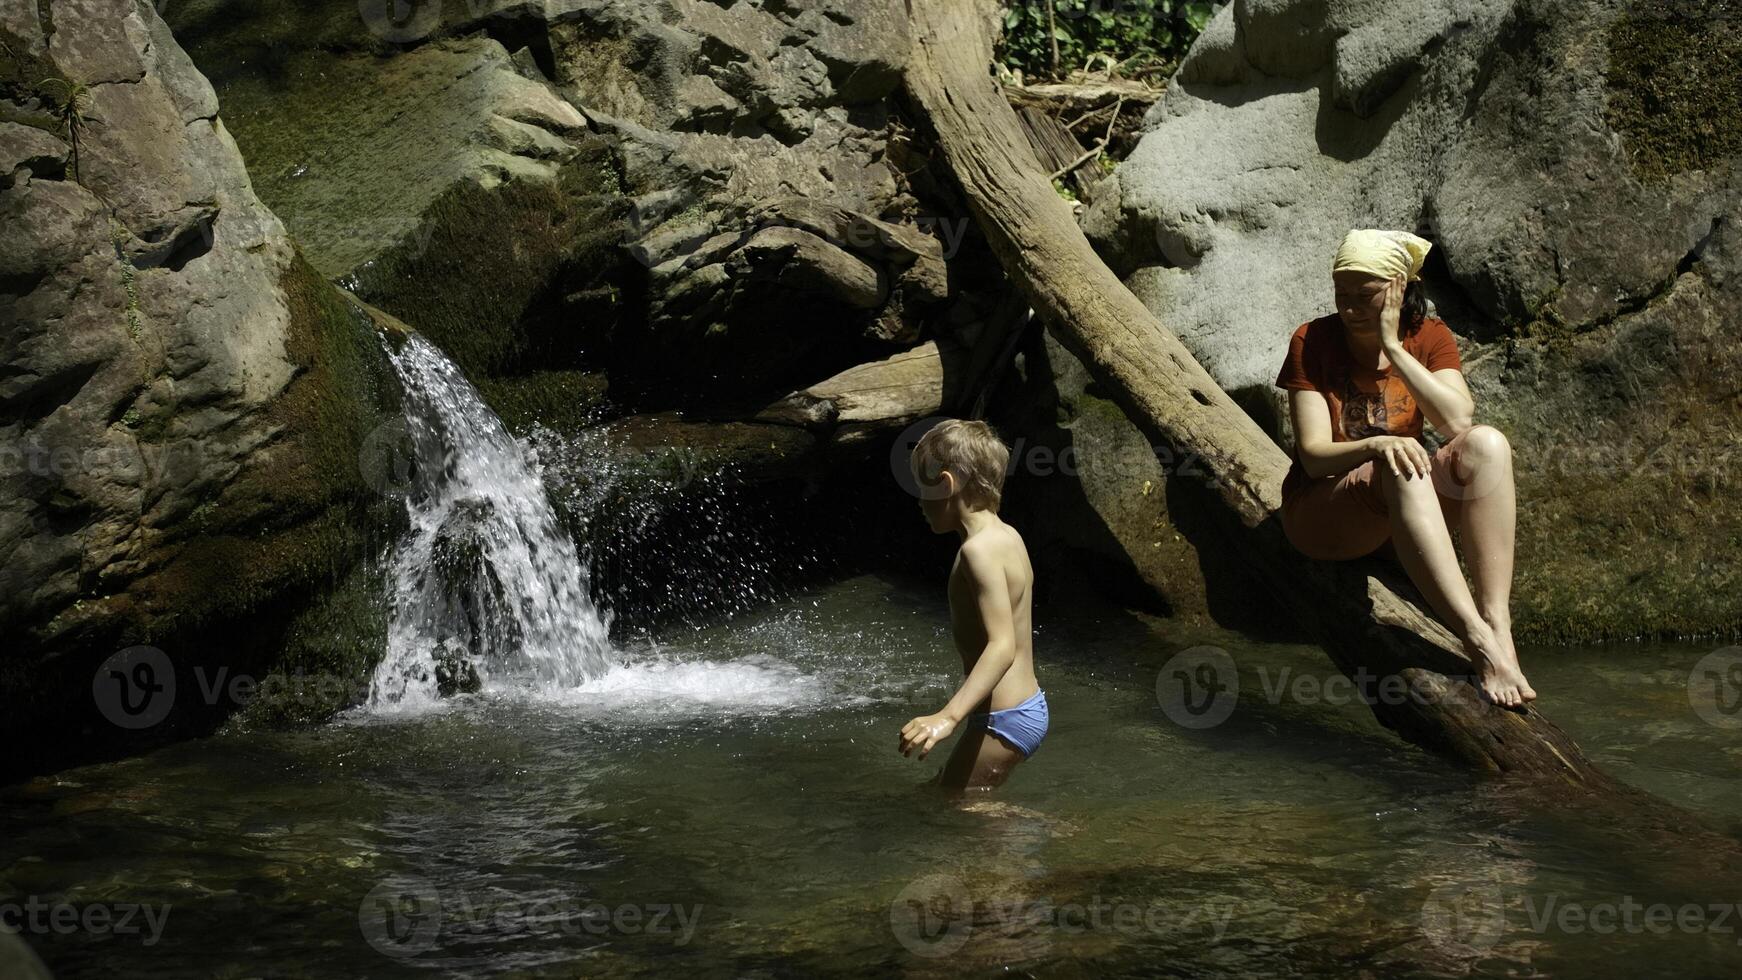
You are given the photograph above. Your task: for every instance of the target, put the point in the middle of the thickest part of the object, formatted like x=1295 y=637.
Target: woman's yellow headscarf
x=1387 y=254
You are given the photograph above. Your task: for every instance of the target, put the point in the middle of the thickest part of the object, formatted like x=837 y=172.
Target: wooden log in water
x=1354 y=609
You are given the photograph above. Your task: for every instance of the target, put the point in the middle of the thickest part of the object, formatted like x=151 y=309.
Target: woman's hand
x=1403 y=454
x=924 y=732
x=1389 y=313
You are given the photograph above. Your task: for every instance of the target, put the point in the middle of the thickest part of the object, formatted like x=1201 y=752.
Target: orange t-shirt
x=1363 y=401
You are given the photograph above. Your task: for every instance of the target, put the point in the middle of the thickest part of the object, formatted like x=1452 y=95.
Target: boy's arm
x=992 y=601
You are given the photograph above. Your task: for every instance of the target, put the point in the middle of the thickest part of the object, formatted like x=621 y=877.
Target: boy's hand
x=924 y=732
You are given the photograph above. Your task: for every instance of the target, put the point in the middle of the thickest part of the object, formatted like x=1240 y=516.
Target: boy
x=959 y=466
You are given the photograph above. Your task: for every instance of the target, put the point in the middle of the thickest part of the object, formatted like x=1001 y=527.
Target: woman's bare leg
x=1489 y=530
x=1424 y=546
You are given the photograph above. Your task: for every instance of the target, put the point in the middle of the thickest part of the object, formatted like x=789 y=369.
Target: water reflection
x=747 y=775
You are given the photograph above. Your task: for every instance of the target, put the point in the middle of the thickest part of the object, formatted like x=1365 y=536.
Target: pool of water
x=730 y=801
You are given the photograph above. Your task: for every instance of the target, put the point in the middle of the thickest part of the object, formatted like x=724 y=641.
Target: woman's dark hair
x=1414 y=309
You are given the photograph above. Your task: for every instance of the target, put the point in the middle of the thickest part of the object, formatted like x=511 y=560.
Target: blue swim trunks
x=1022 y=726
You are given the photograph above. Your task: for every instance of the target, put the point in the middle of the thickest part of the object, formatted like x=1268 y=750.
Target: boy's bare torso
x=1004 y=545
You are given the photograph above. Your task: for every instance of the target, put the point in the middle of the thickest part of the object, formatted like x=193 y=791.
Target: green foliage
x=129 y=281
x=70 y=109
x=1131 y=35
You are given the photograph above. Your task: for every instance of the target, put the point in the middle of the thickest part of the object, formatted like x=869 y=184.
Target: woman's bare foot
x=1502 y=682
x=1503 y=631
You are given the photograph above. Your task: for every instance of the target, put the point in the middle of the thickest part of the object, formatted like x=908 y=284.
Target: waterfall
x=488 y=591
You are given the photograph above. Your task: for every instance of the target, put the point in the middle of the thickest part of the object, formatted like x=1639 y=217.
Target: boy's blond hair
x=972 y=451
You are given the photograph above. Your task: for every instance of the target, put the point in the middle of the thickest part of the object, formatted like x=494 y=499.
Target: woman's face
x=1360 y=298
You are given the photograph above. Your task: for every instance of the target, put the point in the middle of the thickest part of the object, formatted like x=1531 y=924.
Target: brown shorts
x=1343 y=516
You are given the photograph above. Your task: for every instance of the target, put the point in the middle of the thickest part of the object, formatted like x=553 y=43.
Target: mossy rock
x=515 y=279
x=1675 y=86
x=261 y=581
x=563 y=401
x=294 y=517
x=328 y=656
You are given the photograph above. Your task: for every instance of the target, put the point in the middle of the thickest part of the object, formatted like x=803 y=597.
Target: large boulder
x=699 y=212
x=584 y=185
x=1576 y=166
x=801 y=286
x=183 y=396
x=431 y=169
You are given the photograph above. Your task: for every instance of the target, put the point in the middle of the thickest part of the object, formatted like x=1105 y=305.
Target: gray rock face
x=730 y=120
x=804 y=283
x=610 y=146
x=357 y=151
x=1470 y=121
x=1491 y=127
x=708 y=218
x=176 y=380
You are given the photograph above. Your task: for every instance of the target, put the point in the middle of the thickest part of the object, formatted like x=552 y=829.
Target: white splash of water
x=486 y=584
x=662 y=687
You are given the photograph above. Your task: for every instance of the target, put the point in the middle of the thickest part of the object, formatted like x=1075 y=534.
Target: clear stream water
x=746 y=777
x=729 y=801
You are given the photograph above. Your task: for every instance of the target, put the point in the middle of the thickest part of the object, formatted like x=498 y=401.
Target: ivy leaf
x=1198 y=15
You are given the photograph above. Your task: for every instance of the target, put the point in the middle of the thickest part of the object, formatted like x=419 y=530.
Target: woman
x=1360 y=382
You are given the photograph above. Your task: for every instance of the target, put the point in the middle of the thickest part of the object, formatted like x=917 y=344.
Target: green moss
x=329 y=653
x=300 y=513
x=1546 y=324
x=1626 y=521
x=238 y=36
x=129 y=284
x=505 y=280
x=560 y=400
x=1675 y=87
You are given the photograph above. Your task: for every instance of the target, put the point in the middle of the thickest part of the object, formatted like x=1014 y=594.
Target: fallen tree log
x=1112 y=108
x=1354 y=609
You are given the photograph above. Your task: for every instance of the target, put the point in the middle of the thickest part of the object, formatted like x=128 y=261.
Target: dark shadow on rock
x=1071 y=547
x=1238 y=596
x=1234 y=96
x=1343 y=135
